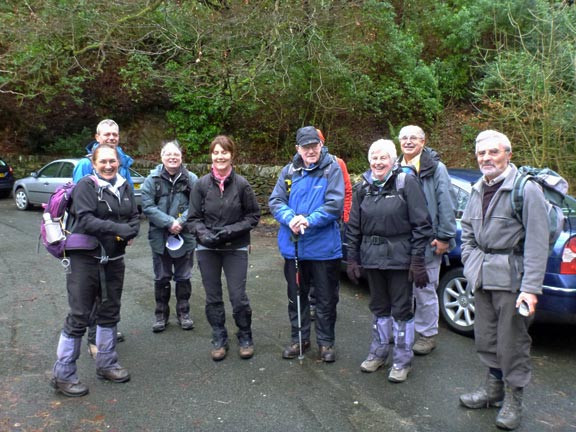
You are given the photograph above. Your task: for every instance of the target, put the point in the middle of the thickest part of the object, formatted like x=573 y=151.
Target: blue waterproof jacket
x=316 y=192
x=85 y=167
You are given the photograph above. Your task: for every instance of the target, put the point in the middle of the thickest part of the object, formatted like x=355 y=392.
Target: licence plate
x=2 y=175
x=137 y=185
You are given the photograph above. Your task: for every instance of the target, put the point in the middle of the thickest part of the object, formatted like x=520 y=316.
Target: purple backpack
x=54 y=233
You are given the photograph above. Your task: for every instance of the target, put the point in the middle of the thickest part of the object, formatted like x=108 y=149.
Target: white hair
x=493 y=137
x=107 y=122
x=174 y=144
x=412 y=130
x=387 y=146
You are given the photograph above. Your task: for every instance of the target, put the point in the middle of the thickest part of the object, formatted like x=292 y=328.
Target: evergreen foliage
x=258 y=70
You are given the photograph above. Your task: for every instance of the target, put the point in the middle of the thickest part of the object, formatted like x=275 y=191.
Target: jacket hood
x=428 y=161
x=90 y=147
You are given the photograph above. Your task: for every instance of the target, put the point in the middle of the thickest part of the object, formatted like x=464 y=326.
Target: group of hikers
x=397 y=223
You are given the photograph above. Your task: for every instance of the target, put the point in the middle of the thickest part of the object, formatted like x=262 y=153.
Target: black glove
x=125 y=231
x=417 y=272
x=354 y=271
x=208 y=239
x=221 y=234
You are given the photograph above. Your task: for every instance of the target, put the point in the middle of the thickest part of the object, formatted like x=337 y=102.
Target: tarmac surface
x=175 y=385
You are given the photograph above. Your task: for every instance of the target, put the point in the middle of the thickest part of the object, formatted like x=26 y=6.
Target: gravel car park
x=37 y=188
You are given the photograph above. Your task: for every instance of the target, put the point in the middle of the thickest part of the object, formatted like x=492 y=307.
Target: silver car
x=37 y=188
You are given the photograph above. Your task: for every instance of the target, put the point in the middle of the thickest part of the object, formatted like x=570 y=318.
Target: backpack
x=554 y=188
x=364 y=188
x=55 y=233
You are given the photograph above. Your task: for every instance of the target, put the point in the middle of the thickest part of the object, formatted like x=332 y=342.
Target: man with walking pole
x=307 y=201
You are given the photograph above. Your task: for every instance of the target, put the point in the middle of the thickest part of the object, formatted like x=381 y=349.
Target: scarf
x=221 y=179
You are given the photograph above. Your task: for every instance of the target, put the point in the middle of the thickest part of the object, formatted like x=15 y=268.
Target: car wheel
x=457 y=302
x=4 y=194
x=21 y=199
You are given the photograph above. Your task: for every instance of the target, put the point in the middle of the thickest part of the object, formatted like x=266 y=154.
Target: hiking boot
x=219 y=353
x=116 y=374
x=489 y=394
x=372 y=363
x=510 y=415
x=69 y=389
x=185 y=322
x=398 y=375
x=424 y=345
x=327 y=354
x=160 y=324
x=293 y=350
x=246 y=351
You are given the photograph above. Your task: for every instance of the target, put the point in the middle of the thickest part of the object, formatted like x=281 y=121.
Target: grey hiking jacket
x=499 y=252
x=162 y=207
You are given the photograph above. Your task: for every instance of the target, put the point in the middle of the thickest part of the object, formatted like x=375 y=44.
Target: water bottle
x=53 y=229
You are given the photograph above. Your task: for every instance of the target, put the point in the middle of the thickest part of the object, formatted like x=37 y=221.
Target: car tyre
x=21 y=199
x=456 y=302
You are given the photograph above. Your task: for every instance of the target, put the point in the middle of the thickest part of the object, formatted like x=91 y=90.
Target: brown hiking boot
x=219 y=353
x=293 y=350
x=247 y=351
x=424 y=345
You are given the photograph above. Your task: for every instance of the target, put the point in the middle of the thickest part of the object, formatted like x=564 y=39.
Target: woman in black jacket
x=388 y=230
x=103 y=208
x=223 y=211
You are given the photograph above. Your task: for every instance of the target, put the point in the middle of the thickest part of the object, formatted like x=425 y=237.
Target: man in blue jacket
x=107 y=132
x=308 y=202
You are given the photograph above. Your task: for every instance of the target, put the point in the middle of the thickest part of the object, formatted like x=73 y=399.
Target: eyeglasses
x=492 y=152
x=172 y=155
x=411 y=138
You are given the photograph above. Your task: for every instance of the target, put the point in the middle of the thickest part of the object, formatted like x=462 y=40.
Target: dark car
x=558 y=300
x=6 y=179
x=37 y=188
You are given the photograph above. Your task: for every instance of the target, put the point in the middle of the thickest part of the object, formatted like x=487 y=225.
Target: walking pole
x=296 y=238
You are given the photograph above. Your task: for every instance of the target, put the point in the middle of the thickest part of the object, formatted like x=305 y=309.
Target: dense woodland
x=258 y=70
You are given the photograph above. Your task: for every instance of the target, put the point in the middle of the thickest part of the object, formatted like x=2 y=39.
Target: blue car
x=558 y=300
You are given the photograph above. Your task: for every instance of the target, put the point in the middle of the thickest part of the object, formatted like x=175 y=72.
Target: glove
x=354 y=271
x=417 y=272
x=125 y=231
x=208 y=239
x=221 y=233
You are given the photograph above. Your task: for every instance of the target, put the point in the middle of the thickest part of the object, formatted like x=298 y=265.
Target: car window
x=461 y=199
x=50 y=170
x=134 y=173
x=2 y=163
x=570 y=207
x=67 y=169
